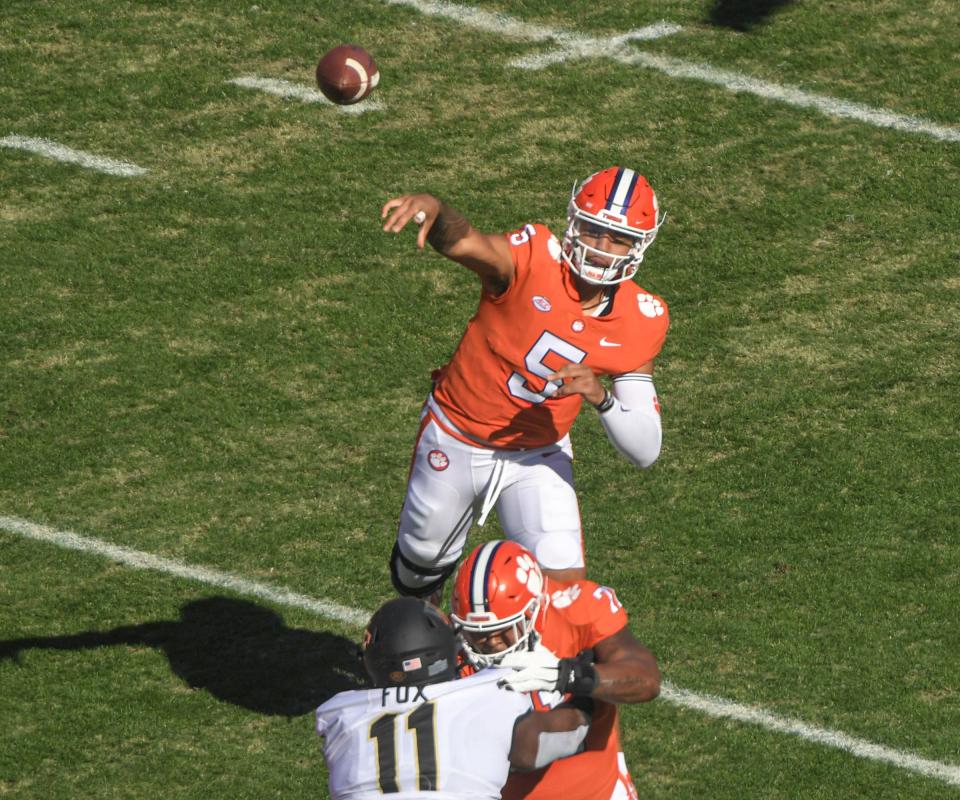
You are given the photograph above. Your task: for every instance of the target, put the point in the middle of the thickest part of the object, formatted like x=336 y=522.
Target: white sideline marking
x=572 y=45
x=704 y=703
x=301 y=93
x=59 y=152
x=140 y=560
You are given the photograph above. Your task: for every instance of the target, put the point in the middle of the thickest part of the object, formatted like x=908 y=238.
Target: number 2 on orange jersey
x=606 y=591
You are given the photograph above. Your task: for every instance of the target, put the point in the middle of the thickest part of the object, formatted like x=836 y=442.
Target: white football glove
x=539 y=670
x=535 y=670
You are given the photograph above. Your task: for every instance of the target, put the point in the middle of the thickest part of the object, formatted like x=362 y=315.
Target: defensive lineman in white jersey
x=421 y=733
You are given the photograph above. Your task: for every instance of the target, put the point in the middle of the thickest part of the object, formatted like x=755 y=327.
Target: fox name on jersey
x=405 y=741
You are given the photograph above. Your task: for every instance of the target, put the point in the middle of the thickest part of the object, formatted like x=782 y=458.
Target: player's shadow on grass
x=743 y=15
x=238 y=651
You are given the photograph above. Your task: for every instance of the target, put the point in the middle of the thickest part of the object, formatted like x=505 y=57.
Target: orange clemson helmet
x=615 y=206
x=498 y=590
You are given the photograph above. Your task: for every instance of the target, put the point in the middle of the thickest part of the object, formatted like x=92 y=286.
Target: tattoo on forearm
x=448 y=228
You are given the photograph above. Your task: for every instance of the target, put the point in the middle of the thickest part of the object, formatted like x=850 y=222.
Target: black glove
x=577 y=676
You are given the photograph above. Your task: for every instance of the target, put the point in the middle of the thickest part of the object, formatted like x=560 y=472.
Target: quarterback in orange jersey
x=554 y=315
x=564 y=642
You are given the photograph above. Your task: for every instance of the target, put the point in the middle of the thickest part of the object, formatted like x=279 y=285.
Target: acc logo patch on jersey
x=438 y=460
x=541 y=303
x=649 y=305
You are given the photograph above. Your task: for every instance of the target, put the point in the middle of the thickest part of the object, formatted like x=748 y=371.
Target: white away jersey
x=447 y=740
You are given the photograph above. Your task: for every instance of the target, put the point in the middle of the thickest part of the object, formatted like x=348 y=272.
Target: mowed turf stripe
x=574 y=45
x=703 y=703
x=59 y=152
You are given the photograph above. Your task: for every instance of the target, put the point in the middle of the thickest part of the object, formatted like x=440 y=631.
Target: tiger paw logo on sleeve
x=565 y=597
x=649 y=305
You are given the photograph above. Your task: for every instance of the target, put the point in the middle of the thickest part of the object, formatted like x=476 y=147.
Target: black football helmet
x=409 y=642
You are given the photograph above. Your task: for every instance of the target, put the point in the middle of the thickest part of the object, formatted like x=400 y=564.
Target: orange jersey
x=495 y=390
x=578 y=616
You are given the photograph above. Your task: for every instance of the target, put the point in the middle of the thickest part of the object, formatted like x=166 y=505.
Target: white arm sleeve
x=632 y=423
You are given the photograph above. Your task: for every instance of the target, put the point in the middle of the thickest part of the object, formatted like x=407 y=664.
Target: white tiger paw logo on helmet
x=528 y=574
x=649 y=305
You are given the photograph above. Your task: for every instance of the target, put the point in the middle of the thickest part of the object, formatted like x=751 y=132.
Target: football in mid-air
x=347 y=74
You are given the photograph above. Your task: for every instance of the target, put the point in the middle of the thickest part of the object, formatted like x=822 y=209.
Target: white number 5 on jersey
x=546 y=344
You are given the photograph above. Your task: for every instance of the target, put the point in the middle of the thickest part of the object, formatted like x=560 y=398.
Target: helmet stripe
x=623 y=186
x=616 y=186
x=480 y=576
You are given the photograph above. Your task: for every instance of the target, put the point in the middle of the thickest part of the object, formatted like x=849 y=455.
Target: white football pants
x=452 y=484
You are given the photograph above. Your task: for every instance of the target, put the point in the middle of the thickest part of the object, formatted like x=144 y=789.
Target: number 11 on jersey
x=421 y=721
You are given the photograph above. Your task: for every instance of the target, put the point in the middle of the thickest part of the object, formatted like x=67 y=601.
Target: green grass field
x=221 y=362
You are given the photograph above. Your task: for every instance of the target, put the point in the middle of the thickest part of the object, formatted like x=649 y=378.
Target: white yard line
x=59 y=152
x=302 y=93
x=615 y=47
x=861 y=748
x=703 y=703
x=477 y=19
x=831 y=106
x=170 y=566
x=574 y=45
x=570 y=44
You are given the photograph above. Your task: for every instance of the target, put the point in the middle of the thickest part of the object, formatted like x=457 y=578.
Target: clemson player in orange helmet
x=566 y=642
x=554 y=315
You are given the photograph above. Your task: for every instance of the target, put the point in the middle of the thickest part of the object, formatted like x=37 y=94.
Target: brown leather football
x=347 y=74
